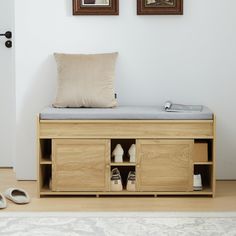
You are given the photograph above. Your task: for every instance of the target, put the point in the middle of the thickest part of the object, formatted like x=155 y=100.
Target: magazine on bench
x=172 y=107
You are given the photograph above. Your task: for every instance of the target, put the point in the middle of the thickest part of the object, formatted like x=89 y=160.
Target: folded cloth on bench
x=122 y=113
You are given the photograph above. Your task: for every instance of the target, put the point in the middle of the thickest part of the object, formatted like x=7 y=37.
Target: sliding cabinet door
x=80 y=165
x=164 y=165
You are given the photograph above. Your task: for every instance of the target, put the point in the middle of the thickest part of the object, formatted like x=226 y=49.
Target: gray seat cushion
x=122 y=113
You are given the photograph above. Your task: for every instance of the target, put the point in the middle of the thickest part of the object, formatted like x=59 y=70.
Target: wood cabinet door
x=164 y=165
x=80 y=165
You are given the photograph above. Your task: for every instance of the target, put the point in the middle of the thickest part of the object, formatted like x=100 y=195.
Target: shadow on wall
x=39 y=94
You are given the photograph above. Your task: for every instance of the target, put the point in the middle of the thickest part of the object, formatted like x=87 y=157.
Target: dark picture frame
x=89 y=7
x=160 y=7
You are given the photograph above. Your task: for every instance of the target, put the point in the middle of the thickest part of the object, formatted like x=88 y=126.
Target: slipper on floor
x=3 y=202
x=17 y=195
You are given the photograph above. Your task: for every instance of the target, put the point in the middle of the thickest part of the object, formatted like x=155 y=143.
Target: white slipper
x=17 y=195
x=3 y=202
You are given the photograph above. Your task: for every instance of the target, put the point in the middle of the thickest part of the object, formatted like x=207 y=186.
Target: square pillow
x=85 y=80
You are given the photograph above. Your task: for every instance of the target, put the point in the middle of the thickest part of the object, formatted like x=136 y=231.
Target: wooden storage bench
x=75 y=146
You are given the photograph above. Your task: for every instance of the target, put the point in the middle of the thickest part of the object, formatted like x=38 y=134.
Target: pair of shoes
x=16 y=195
x=197 y=182
x=116 y=181
x=118 y=153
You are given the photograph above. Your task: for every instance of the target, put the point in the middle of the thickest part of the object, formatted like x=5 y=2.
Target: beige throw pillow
x=85 y=80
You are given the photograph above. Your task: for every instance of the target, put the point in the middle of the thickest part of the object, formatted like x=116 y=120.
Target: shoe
x=118 y=153
x=131 y=181
x=197 y=182
x=131 y=152
x=3 y=202
x=17 y=195
x=116 y=181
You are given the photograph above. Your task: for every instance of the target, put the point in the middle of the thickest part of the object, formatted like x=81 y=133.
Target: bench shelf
x=74 y=156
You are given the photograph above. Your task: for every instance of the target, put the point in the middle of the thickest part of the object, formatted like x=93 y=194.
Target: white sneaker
x=3 y=202
x=118 y=153
x=131 y=181
x=131 y=152
x=116 y=181
x=197 y=182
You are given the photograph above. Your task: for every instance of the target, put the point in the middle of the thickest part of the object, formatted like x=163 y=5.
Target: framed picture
x=160 y=7
x=95 y=7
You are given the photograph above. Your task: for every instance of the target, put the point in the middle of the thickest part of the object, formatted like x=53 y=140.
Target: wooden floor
x=225 y=200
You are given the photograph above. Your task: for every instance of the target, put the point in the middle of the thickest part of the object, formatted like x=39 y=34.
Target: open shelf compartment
x=45 y=177
x=124 y=172
x=203 y=151
x=45 y=151
x=125 y=144
x=206 y=172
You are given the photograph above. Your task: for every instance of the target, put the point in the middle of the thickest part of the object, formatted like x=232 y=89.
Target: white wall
x=187 y=59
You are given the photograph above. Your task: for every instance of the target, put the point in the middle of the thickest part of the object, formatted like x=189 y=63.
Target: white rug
x=117 y=224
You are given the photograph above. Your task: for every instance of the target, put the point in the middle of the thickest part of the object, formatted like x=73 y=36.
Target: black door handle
x=8 y=35
x=8 y=44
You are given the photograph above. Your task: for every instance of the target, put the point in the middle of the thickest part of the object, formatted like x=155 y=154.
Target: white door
x=7 y=97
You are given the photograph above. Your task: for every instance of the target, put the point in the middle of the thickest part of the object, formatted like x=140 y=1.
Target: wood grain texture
x=164 y=165
x=80 y=165
x=67 y=130
x=224 y=200
x=206 y=192
x=200 y=152
x=126 y=129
